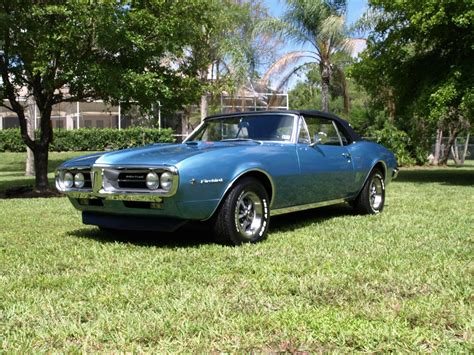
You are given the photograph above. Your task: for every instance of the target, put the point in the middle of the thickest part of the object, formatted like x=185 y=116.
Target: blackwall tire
x=244 y=215
x=371 y=199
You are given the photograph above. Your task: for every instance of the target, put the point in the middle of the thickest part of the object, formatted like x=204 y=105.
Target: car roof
x=311 y=113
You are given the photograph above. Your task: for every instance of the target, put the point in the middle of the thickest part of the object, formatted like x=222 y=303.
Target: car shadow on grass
x=445 y=176
x=195 y=234
x=189 y=236
x=291 y=221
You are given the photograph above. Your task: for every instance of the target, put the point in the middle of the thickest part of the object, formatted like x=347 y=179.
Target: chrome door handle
x=346 y=155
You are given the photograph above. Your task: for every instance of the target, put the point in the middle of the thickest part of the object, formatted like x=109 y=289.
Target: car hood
x=164 y=154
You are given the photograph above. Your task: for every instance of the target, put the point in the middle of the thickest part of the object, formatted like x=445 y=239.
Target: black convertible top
x=311 y=113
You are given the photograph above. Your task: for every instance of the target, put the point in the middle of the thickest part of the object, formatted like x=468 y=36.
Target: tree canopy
x=418 y=65
x=58 y=51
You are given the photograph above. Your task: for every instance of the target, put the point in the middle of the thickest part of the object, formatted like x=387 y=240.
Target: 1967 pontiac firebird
x=234 y=171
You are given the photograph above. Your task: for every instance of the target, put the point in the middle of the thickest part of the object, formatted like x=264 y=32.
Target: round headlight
x=68 y=180
x=166 y=181
x=79 y=180
x=152 y=181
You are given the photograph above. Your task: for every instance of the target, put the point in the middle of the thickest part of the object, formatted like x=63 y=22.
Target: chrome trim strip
x=143 y=167
x=337 y=132
x=194 y=131
x=305 y=207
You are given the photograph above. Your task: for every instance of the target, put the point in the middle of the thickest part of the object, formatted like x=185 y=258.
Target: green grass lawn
x=324 y=280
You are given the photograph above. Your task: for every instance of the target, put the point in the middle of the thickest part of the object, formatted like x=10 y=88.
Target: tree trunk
x=391 y=105
x=185 y=121
x=204 y=107
x=466 y=146
x=38 y=146
x=30 y=160
x=345 y=92
x=437 y=152
x=41 y=168
x=30 y=128
x=455 y=152
x=453 y=133
x=325 y=72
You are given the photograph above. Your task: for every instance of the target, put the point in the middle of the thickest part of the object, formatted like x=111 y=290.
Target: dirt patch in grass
x=28 y=192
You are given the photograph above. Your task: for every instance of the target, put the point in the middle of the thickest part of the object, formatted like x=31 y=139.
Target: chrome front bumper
x=114 y=196
x=395 y=173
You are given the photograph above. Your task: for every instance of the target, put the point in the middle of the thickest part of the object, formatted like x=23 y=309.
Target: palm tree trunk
x=325 y=72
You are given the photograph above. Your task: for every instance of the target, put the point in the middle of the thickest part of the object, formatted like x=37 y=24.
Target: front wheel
x=371 y=199
x=244 y=216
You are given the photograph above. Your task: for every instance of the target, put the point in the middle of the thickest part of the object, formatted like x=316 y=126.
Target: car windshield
x=263 y=127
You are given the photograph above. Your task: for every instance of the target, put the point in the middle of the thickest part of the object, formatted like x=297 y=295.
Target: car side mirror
x=319 y=138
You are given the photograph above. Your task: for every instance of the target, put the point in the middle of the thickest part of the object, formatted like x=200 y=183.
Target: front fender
x=200 y=194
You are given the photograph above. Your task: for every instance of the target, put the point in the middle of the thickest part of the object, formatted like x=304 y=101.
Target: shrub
x=89 y=139
x=396 y=140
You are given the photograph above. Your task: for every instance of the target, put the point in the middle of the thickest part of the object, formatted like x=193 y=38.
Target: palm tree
x=319 y=26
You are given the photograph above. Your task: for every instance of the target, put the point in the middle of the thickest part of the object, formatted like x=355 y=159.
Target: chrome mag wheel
x=376 y=192
x=249 y=214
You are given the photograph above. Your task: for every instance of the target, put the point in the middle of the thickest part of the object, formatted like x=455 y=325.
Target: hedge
x=89 y=139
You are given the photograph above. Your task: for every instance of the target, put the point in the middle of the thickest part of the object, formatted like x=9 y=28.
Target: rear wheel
x=371 y=199
x=244 y=215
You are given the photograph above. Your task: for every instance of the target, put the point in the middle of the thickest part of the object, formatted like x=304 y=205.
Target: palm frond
x=291 y=58
x=283 y=30
x=352 y=45
x=368 y=20
x=288 y=76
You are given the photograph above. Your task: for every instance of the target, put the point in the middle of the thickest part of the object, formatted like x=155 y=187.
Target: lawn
x=325 y=280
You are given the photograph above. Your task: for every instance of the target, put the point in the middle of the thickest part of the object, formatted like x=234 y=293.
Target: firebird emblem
x=212 y=181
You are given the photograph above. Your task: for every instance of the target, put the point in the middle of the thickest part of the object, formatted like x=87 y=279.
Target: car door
x=326 y=168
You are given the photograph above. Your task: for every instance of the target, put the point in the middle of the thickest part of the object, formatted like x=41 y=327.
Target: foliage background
x=87 y=139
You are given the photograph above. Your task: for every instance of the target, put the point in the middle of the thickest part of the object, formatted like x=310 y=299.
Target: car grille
x=132 y=180
x=118 y=180
x=87 y=180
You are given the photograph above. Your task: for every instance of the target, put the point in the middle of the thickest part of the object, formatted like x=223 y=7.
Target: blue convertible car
x=234 y=171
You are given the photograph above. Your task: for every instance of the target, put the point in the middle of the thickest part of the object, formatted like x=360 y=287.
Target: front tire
x=244 y=215
x=371 y=199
